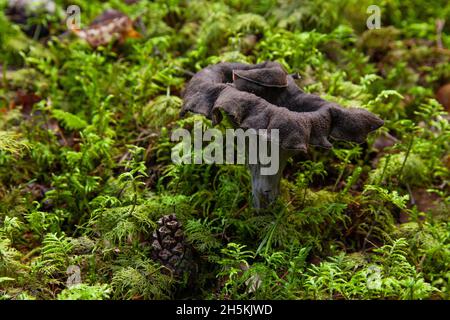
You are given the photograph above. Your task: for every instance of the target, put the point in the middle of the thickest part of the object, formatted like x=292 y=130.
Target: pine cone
x=171 y=249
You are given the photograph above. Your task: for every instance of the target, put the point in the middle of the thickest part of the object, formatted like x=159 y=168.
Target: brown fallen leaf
x=112 y=25
x=25 y=99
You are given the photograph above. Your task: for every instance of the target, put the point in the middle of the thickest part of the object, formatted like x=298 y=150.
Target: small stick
x=440 y=23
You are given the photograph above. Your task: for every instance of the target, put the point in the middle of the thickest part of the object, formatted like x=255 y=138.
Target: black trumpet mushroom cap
x=265 y=96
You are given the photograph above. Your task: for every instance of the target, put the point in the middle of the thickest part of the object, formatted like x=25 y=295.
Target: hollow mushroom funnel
x=264 y=96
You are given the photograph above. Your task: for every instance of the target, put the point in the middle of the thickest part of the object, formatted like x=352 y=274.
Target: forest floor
x=86 y=175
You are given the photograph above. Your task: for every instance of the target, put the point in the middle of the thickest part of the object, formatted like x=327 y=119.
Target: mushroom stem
x=266 y=188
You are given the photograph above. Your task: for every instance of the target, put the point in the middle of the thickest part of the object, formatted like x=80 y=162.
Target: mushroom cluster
x=265 y=96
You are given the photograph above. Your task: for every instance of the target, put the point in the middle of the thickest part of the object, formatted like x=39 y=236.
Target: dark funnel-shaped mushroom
x=264 y=96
